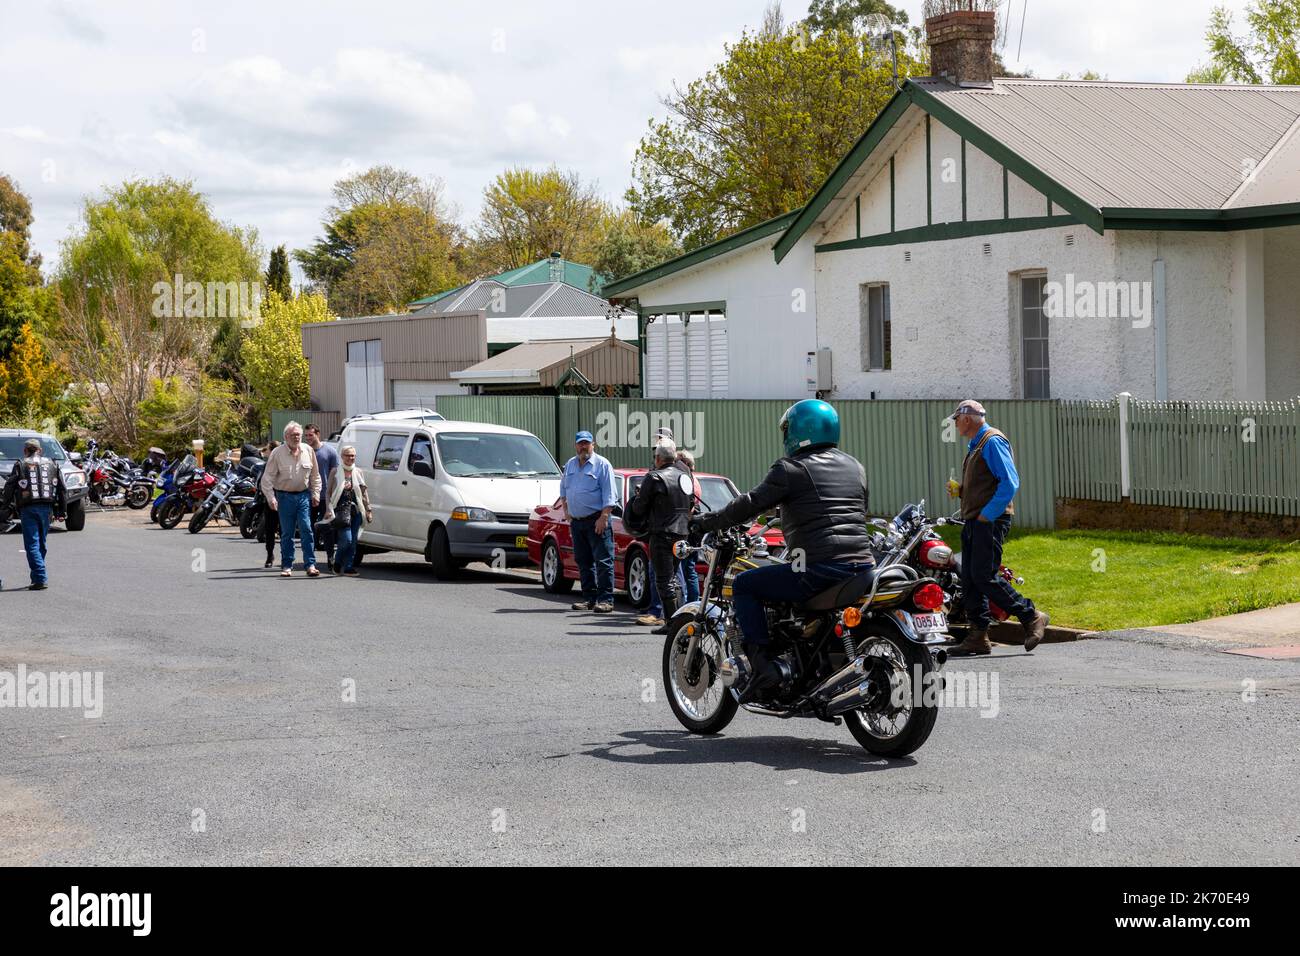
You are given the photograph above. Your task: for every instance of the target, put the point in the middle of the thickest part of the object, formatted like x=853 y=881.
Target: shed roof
x=542 y=362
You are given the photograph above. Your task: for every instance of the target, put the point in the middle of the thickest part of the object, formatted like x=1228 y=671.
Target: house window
x=1034 y=359
x=873 y=304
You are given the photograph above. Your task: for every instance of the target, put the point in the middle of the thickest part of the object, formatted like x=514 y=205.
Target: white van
x=455 y=492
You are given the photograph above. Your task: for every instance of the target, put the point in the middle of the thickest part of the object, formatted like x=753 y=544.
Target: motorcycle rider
x=822 y=492
x=36 y=486
x=663 y=505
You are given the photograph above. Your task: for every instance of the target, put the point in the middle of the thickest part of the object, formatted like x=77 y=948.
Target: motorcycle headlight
x=74 y=479
x=472 y=514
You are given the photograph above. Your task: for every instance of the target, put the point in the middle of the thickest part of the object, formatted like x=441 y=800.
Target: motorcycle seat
x=852 y=590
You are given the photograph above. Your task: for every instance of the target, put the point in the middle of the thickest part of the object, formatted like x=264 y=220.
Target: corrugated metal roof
x=1134 y=145
x=551 y=299
x=574 y=273
x=532 y=356
x=568 y=301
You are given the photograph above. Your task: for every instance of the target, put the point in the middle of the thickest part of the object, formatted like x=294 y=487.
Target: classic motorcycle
x=112 y=480
x=234 y=491
x=861 y=652
x=929 y=554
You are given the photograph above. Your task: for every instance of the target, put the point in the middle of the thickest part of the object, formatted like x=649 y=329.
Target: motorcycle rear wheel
x=715 y=705
x=250 y=522
x=877 y=729
x=139 y=496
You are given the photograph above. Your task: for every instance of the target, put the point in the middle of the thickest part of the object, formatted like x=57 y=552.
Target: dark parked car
x=11 y=450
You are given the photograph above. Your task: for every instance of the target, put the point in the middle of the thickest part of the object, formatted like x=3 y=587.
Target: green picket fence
x=1088 y=460
x=1230 y=456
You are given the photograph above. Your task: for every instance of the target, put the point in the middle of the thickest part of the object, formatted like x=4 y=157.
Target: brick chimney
x=961 y=46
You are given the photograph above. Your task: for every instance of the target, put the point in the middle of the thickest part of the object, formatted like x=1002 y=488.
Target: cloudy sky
x=265 y=104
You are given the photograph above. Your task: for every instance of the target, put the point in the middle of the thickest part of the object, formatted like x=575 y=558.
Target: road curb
x=1013 y=633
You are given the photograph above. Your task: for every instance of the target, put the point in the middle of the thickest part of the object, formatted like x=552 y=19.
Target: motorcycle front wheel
x=695 y=690
x=200 y=519
x=170 y=514
x=900 y=716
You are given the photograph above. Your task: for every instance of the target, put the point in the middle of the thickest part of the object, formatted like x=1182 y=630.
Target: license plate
x=521 y=541
x=929 y=623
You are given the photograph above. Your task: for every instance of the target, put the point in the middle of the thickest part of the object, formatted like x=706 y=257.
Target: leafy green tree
x=178 y=409
x=16 y=218
x=277 y=273
x=756 y=136
x=272 y=357
x=1267 y=54
x=628 y=246
x=23 y=301
x=528 y=214
x=388 y=238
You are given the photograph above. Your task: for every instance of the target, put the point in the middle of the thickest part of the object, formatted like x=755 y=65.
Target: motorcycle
x=234 y=491
x=166 y=483
x=112 y=480
x=192 y=486
x=929 y=554
x=861 y=653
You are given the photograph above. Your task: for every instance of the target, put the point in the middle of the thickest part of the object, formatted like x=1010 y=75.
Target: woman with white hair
x=347 y=504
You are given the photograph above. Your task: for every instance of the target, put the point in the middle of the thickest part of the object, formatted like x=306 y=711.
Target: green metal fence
x=1229 y=456
x=1234 y=456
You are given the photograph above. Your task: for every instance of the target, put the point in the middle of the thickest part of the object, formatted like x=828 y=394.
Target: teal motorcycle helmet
x=809 y=424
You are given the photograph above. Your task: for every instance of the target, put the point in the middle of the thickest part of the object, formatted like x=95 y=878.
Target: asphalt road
x=493 y=725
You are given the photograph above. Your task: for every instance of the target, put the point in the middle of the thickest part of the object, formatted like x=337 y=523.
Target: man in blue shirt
x=988 y=484
x=588 y=497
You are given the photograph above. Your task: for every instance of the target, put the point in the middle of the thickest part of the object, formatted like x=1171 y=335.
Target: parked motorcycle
x=861 y=652
x=192 y=486
x=926 y=551
x=235 y=490
x=165 y=483
x=112 y=480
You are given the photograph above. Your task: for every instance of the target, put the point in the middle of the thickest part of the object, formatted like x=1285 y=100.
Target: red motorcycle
x=192 y=487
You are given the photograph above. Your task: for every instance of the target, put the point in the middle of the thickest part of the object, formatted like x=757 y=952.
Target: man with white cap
x=989 y=482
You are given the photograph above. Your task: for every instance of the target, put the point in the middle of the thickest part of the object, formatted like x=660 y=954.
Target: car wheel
x=637 y=579
x=554 y=579
x=76 y=516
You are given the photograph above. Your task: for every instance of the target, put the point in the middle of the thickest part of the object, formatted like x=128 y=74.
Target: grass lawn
x=1150 y=578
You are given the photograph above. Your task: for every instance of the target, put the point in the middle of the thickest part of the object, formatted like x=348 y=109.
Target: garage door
x=414 y=393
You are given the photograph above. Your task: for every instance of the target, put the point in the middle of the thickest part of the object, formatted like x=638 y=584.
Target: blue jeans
x=36 y=525
x=777 y=583
x=347 y=542
x=689 y=579
x=594 y=555
x=295 y=509
x=981 y=582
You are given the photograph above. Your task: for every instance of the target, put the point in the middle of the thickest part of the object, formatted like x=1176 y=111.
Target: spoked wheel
x=897 y=719
x=695 y=690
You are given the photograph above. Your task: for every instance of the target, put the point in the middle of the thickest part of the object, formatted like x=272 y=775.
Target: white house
x=1014 y=238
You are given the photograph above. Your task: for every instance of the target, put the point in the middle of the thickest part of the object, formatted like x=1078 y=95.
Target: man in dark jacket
x=35 y=488
x=663 y=507
x=822 y=493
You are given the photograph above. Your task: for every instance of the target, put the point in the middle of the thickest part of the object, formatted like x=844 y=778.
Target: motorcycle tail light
x=928 y=597
x=935 y=554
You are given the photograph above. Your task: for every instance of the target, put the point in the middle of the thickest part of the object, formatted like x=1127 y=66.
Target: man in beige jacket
x=291 y=484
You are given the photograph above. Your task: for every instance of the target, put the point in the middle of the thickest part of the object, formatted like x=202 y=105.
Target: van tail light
x=928 y=597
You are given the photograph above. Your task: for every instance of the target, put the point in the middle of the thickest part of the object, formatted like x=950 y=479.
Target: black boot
x=764 y=674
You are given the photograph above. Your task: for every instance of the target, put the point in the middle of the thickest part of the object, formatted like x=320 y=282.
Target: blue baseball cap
x=583 y=436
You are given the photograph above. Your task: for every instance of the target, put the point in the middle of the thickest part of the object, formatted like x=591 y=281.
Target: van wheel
x=554 y=580
x=438 y=553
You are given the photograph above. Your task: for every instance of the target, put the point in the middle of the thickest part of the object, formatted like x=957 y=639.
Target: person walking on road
x=35 y=488
x=347 y=505
x=327 y=459
x=989 y=482
x=270 y=521
x=663 y=507
x=587 y=498
x=291 y=484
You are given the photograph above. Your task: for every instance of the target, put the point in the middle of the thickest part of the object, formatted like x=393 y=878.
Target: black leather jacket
x=663 y=502
x=34 y=481
x=822 y=492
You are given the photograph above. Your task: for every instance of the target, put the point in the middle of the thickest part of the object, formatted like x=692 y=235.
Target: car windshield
x=11 y=448
x=488 y=455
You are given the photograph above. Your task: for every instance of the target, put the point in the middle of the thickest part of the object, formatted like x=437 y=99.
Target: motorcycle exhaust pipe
x=851 y=699
x=835 y=683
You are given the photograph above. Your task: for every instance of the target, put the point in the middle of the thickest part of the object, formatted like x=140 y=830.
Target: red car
x=551 y=547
